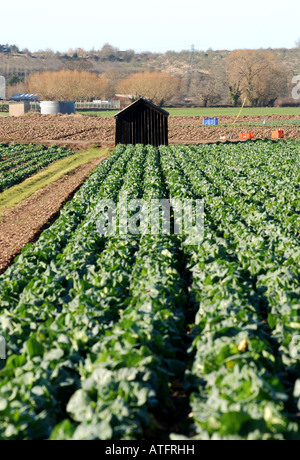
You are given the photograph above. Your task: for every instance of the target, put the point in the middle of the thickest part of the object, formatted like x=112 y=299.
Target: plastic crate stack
x=210 y=121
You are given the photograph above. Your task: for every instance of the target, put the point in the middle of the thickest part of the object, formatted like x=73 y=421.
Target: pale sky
x=157 y=25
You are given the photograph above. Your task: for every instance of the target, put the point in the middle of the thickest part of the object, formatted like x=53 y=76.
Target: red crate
x=246 y=135
x=279 y=134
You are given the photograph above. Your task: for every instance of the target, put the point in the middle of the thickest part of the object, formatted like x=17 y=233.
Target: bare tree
x=69 y=85
x=257 y=75
x=204 y=89
x=109 y=52
x=18 y=88
x=158 y=87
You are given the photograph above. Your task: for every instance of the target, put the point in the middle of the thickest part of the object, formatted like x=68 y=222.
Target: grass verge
x=232 y=111
x=46 y=176
x=98 y=113
x=211 y=111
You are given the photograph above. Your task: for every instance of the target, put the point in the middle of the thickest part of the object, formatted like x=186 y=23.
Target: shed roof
x=24 y=97
x=139 y=102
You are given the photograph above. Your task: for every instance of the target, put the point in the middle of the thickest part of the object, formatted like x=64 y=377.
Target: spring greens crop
x=20 y=161
x=101 y=330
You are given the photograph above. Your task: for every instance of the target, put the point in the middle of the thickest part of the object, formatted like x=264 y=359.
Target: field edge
x=52 y=173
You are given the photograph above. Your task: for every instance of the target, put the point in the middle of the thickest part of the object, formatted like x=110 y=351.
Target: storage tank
x=49 y=107
x=53 y=107
x=2 y=88
x=67 y=107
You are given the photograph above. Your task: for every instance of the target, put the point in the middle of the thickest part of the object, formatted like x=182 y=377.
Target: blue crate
x=210 y=121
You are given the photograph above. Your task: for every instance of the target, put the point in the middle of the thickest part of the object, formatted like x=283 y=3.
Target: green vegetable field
x=146 y=337
x=20 y=161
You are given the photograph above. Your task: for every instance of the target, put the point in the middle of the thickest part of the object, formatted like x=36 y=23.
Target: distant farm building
x=142 y=123
x=125 y=99
x=19 y=104
x=18 y=109
x=24 y=97
x=98 y=105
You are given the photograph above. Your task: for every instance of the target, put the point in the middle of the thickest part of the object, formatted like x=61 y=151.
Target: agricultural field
x=144 y=336
x=185 y=127
x=20 y=161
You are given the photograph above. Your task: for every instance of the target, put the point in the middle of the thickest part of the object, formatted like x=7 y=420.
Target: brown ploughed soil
x=23 y=223
x=190 y=130
x=80 y=132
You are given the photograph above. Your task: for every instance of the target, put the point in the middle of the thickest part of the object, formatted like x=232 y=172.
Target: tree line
x=10 y=49
x=255 y=75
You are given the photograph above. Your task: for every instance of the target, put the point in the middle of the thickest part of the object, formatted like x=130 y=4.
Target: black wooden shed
x=142 y=123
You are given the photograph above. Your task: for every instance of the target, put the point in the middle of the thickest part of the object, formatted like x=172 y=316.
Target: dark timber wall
x=142 y=123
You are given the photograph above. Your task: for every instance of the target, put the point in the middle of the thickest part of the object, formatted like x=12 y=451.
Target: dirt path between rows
x=24 y=223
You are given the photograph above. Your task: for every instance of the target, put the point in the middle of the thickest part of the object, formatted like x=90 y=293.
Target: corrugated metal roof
x=24 y=97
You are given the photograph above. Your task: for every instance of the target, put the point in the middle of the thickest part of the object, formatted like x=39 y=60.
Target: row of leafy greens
x=97 y=327
x=20 y=161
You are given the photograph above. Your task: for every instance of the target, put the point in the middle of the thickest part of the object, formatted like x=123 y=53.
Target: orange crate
x=246 y=135
x=278 y=134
